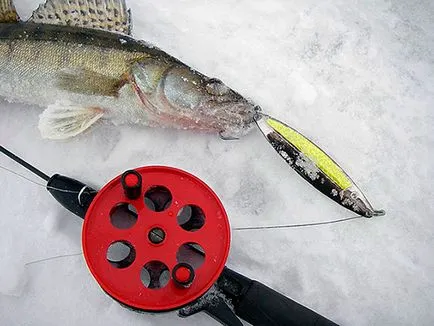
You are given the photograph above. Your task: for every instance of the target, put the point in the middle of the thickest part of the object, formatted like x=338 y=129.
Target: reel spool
x=156 y=238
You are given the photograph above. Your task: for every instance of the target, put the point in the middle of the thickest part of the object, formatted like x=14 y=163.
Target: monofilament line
x=37 y=183
x=28 y=166
x=288 y=226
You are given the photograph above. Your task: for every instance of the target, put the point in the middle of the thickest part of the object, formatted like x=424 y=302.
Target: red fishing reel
x=156 y=238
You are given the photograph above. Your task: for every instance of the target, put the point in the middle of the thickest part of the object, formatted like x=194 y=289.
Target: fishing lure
x=78 y=60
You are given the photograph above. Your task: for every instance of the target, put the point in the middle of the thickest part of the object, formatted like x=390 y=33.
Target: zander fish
x=78 y=60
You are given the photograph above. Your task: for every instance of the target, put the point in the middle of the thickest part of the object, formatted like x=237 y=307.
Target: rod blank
x=28 y=166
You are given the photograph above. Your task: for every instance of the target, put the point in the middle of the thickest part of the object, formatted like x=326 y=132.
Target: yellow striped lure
x=315 y=166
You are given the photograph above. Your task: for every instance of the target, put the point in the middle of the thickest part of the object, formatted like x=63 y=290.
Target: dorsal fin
x=109 y=15
x=8 y=13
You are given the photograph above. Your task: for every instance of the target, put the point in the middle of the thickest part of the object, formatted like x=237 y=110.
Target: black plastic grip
x=262 y=306
x=74 y=195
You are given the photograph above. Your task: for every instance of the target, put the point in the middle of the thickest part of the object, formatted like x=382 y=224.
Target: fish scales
x=94 y=48
x=35 y=54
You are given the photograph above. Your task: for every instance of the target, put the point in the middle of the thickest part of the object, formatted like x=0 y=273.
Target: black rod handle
x=262 y=306
x=72 y=194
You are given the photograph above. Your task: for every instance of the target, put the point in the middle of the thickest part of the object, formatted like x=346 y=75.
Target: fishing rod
x=72 y=194
x=190 y=278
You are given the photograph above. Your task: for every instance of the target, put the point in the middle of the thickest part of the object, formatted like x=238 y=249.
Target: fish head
x=182 y=97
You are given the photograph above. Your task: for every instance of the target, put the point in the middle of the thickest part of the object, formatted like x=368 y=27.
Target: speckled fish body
x=36 y=60
x=126 y=80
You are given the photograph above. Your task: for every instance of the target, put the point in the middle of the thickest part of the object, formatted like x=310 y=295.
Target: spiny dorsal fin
x=8 y=13
x=109 y=15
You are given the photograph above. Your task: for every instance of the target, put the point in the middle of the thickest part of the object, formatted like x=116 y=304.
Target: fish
x=78 y=60
x=82 y=75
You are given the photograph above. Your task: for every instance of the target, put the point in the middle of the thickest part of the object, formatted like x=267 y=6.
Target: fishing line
x=28 y=166
x=288 y=226
x=34 y=170
x=51 y=258
x=247 y=228
x=37 y=183
x=21 y=176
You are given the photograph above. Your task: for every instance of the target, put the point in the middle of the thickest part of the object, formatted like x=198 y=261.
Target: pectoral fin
x=62 y=121
x=315 y=166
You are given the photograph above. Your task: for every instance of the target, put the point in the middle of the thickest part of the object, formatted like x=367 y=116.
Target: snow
x=354 y=77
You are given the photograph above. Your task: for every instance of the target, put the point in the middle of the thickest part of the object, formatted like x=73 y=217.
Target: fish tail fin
x=65 y=121
x=315 y=166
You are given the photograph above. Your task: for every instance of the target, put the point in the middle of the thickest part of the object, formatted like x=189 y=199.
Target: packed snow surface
x=355 y=77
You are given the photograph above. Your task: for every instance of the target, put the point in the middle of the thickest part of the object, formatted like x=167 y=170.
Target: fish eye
x=216 y=87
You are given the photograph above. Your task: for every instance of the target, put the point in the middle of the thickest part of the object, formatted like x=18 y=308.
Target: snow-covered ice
x=355 y=77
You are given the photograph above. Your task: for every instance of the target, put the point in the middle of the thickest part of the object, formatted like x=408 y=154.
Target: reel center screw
x=156 y=235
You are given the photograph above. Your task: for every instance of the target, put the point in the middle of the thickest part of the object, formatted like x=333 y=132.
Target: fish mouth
x=241 y=112
x=236 y=119
x=257 y=113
